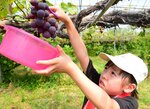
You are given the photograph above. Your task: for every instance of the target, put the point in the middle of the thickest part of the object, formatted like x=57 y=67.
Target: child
x=115 y=88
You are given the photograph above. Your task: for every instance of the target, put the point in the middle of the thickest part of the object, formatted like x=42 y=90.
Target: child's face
x=111 y=81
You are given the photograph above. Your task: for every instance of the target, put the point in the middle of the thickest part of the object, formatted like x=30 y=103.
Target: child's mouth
x=101 y=84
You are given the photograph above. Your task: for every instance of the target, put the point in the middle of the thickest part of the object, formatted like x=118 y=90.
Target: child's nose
x=104 y=75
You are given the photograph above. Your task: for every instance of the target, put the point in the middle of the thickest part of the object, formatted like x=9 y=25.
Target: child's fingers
x=46 y=71
x=60 y=49
x=47 y=62
x=54 y=8
x=51 y=15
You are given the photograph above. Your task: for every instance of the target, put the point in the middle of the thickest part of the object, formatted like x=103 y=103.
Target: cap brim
x=105 y=56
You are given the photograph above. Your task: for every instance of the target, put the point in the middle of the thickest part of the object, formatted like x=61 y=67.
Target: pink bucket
x=24 y=48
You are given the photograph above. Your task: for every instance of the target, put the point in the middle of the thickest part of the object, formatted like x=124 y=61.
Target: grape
x=46 y=34
x=56 y=25
x=41 y=5
x=53 y=36
x=39 y=22
x=34 y=2
x=46 y=25
x=46 y=7
x=33 y=10
x=30 y=16
x=40 y=30
x=33 y=24
x=52 y=21
x=40 y=13
x=52 y=30
x=46 y=13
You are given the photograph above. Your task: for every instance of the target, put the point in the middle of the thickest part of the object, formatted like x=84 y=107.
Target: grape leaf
x=4 y=4
x=4 y=8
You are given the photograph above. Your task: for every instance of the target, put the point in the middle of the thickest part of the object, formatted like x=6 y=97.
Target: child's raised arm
x=75 y=39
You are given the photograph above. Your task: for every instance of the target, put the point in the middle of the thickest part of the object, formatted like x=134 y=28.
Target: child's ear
x=129 y=88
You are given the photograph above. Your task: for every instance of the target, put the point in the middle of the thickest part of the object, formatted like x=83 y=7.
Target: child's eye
x=113 y=73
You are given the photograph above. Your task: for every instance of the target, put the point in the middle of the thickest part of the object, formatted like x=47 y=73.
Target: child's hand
x=61 y=14
x=59 y=64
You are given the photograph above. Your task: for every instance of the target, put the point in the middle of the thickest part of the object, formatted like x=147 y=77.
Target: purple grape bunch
x=45 y=25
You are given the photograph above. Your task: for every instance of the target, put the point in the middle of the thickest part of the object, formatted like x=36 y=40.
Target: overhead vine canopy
x=129 y=14
x=104 y=13
x=139 y=17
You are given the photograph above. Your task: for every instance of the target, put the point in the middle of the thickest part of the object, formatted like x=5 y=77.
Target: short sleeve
x=127 y=103
x=91 y=73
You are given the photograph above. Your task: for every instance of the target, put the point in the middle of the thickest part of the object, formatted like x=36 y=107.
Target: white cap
x=129 y=63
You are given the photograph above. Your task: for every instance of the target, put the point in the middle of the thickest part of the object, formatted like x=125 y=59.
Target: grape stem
x=56 y=16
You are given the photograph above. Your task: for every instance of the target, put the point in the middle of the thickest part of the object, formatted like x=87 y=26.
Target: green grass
x=63 y=95
x=42 y=97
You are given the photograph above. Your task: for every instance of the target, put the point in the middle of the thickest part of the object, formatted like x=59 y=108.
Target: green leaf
x=69 y=8
x=49 y=4
x=4 y=8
